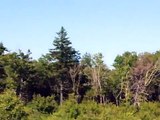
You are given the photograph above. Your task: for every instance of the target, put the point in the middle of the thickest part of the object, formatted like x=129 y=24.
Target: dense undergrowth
x=90 y=110
x=40 y=108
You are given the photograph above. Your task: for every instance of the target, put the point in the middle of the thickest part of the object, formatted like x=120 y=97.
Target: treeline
x=49 y=81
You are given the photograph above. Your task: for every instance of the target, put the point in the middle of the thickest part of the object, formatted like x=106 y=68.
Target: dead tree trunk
x=74 y=72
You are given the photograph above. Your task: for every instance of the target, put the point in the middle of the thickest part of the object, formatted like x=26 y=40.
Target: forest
x=65 y=85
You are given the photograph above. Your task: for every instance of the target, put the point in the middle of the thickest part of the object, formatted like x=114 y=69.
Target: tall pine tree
x=65 y=57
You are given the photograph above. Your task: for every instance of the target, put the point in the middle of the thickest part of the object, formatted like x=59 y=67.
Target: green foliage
x=11 y=107
x=89 y=110
x=95 y=86
x=149 y=111
x=69 y=110
x=118 y=78
x=44 y=105
x=63 y=53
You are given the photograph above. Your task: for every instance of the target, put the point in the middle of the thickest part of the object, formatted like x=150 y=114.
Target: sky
x=107 y=26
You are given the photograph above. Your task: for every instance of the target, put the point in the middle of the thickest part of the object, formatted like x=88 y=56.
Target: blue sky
x=108 y=26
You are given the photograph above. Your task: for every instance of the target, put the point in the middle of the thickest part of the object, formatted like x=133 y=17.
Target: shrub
x=44 y=105
x=11 y=107
x=90 y=110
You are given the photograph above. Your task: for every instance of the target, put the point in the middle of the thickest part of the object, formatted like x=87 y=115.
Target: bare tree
x=74 y=73
x=98 y=71
x=143 y=74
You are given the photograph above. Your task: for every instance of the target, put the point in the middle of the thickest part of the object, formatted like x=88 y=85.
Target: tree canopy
x=63 y=82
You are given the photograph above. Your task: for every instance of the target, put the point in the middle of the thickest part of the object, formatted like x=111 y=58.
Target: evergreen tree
x=2 y=70
x=65 y=57
x=2 y=49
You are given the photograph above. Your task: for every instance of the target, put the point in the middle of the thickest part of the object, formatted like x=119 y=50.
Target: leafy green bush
x=149 y=111
x=11 y=107
x=41 y=108
x=44 y=105
x=90 y=110
x=68 y=111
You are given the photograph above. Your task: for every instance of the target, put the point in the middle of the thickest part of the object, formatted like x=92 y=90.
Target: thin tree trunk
x=159 y=93
x=101 y=99
x=61 y=93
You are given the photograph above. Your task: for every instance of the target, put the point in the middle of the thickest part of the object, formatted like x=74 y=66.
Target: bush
x=90 y=110
x=45 y=105
x=11 y=107
x=68 y=111
x=45 y=108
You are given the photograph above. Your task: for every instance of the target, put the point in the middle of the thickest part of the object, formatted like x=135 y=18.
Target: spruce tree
x=65 y=57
